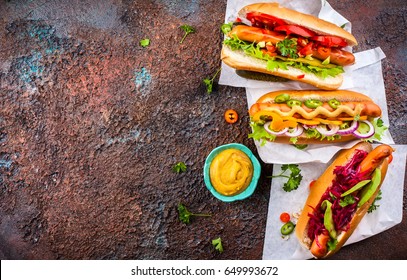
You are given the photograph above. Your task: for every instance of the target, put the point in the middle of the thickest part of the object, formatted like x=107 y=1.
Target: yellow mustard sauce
x=231 y=172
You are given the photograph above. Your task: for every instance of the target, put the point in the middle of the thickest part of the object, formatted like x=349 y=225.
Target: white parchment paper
x=364 y=76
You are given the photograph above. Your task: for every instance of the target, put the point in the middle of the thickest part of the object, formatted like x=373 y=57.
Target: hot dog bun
x=313 y=23
x=240 y=61
x=320 y=186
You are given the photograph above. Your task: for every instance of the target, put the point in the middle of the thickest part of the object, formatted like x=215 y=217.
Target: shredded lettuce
x=379 y=129
x=260 y=134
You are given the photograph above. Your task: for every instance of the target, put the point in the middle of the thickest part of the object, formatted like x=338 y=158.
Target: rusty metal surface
x=91 y=124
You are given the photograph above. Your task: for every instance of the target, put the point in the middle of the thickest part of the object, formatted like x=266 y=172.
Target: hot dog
x=312 y=117
x=340 y=198
x=289 y=44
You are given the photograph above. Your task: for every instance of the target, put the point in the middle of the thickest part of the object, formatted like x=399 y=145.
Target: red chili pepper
x=231 y=116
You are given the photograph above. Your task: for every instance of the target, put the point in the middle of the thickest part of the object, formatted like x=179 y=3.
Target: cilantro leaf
x=379 y=130
x=217 y=243
x=145 y=42
x=188 y=30
x=209 y=82
x=179 y=167
x=288 y=47
x=347 y=200
x=374 y=206
x=185 y=216
x=294 y=179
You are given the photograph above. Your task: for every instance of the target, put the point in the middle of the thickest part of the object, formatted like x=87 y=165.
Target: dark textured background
x=91 y=124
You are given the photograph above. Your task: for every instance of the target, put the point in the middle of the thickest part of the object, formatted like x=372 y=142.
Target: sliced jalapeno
x=293 y=102
x=287 y=228
x=282 y=98
x=334 y=103
x=226 y=28
x=312 y=103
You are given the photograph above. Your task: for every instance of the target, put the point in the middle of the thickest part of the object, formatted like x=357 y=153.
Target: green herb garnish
x=294 y=179
x=209 y=82
x=188 y=30
x=145 y=42
x=185 y=215
x=179 y=167
x=374 y=206
x=288 y=47
x=217 y=243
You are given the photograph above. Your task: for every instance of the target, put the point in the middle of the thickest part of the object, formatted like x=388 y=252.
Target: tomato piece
x=295 y=29
x=302 y=42
x=271 y=48
x=307 y=49
x=330 y=41
x=285 y=217
x=231 y=116
x=257 y=19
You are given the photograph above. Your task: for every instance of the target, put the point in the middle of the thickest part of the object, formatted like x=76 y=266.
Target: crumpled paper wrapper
x=364 y=76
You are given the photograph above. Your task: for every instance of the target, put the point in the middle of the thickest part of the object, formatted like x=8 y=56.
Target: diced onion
x=281 y=132
x=367 y=134
x=353 y=126
x=297 y=131
x=322 y=128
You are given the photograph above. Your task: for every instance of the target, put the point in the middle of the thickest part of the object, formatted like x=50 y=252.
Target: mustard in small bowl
x=231 y=172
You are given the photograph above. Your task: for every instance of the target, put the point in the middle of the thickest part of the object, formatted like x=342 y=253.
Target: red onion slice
x=322 y=128
x=294 y=132
x=353 y=126
x=281 y=132
x=368 y=134
x=309 y=126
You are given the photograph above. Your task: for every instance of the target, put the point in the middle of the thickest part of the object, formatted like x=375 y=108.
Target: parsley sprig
x=288 y=47
x=374 y=206
x=185 y=216
x=217 y=243
x=209 y=82
x=145 y=42
x=179 y=167
x=294 y=179
x=188 y=29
